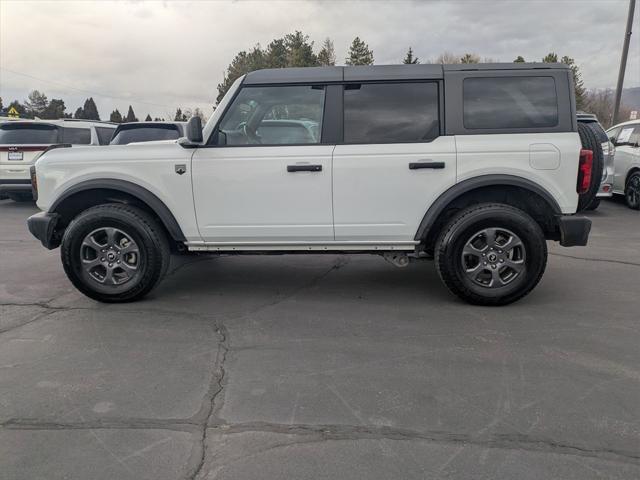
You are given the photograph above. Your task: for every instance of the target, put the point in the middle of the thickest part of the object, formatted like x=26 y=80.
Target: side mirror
x=194 y=129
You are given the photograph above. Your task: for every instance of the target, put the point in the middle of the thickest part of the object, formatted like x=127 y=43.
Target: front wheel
x=114 y=253
x=491 y=254
x=632 y=191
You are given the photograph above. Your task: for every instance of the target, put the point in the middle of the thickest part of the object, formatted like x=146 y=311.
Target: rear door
x=20 y=144
x=393 y=162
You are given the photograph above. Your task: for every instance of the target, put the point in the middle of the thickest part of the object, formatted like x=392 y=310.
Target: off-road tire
x=142 y=228
x=632 y=191
x=589 y=141
x=463 y=226
x=595 y=203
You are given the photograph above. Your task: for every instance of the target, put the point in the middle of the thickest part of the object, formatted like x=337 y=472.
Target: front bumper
x=574 y=230
x=42 y=226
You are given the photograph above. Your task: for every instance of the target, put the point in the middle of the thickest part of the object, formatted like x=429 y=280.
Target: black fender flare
x=465 y=186
x=130 y=188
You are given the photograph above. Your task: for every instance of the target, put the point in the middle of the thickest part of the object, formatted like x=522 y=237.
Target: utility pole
x=623 y=60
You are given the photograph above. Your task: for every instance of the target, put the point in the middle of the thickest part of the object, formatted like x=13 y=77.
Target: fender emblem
x=181 y=169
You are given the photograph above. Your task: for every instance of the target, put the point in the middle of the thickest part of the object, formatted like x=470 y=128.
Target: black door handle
x=304 y=168
x=417 y=165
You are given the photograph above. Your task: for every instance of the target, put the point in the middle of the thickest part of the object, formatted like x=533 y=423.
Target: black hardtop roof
x=427 y=71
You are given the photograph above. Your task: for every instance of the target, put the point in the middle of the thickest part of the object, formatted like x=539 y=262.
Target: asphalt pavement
x=321 y=367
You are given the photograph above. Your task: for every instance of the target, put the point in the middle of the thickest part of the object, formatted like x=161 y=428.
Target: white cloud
x=173 y=53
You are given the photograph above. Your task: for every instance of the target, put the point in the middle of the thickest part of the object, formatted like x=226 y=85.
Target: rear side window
x=28 y=134
x=510 y=102
x=104 y=135
x=144 y=133
x=76 y=136
x=391 y=112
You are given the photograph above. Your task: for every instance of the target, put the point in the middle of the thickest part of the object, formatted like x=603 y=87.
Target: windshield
x=28 y=134
x=144 y=133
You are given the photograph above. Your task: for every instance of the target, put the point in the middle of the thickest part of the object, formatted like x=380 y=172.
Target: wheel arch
x=509 y=189
x=84 y=195
x=632 y=170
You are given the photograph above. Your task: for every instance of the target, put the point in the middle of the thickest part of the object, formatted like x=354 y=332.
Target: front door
x=265 y=178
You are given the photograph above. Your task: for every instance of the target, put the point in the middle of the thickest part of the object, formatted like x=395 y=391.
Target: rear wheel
x=114 y=253
x=632 y=191
x=491 y=254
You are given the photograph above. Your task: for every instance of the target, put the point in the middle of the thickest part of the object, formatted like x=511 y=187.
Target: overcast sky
x=161 y=55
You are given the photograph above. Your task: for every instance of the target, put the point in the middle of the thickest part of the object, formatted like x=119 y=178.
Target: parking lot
x=322 y=366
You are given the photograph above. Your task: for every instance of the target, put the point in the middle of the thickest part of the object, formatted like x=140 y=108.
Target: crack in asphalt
x=197 y=425
x=587 y=259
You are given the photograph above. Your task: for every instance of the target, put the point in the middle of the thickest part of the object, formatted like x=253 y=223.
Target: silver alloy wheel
x=493 y=257
x=633 y=191
x=110 y=256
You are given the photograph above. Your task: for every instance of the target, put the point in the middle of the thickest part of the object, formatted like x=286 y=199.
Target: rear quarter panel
x=548 y=159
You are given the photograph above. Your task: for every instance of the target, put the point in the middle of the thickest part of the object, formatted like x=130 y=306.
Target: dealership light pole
x=623 y=60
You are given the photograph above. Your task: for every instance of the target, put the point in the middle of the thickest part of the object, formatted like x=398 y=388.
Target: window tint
x=510 y=102
x=145 y=133
x=276 y=115
x=391 y=112
x=21 y=134
x=76 y=136
x=104 y=135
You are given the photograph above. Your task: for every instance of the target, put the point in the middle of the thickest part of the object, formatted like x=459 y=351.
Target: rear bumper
x=574 y=231
x=15 y=186
x=42 y=226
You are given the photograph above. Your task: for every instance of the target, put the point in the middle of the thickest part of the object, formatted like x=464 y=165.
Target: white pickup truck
x=473 y=165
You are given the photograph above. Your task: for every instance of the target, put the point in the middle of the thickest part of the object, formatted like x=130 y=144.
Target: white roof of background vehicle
x=622 y=124
x=61 y=122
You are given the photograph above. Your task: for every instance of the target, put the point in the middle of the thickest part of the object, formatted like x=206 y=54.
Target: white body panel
x=527 y=155
x=246 y=194
x=151 y=166
x=377 y=197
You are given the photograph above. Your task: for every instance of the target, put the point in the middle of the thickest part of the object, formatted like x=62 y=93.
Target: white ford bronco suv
x=475 y=166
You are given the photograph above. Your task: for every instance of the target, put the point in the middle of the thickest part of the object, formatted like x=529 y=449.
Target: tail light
x=584 y=171
x=34 y=182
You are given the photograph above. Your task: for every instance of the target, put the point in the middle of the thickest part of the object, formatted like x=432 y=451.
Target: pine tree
x=578 y=83
x=180 y=116
x=90 y=110
x=55 y=109
x=327 y=54
x=359 y=53
x=36 y=103
x=550 y=57
x=299 y=50
x=409 y=59
x=148 y=118
x=1 y=106
x=115 y=116
x=519 y=59
x=79 y=113
x=131 y=117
